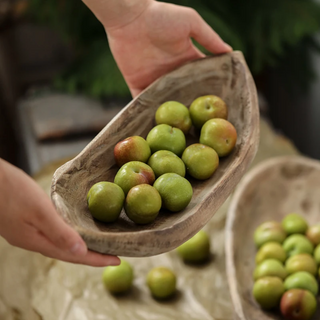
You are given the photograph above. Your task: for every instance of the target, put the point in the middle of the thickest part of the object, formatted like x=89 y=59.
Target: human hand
x=29 y=220
x=157 y=41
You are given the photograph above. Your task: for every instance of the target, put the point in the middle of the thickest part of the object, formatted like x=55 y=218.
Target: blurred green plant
x=270 y=33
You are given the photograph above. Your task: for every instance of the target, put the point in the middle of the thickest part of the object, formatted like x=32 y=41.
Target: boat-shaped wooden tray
x=226 y=76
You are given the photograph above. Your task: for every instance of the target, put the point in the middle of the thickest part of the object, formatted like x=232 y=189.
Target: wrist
x=114 y=14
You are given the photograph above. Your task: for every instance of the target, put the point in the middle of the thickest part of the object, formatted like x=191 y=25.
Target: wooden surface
x=269 y=192
x=226 y=76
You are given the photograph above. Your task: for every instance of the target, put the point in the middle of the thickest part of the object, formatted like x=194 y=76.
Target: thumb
x=203 y=34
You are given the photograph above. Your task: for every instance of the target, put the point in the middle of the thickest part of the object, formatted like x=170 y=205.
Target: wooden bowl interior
x=269 y=193
x=226 y=76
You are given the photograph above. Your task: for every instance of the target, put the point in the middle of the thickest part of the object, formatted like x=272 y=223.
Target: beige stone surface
x=33 y=287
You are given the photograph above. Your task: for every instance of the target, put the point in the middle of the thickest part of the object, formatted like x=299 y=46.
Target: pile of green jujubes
x=287 y=266
x=152 y=171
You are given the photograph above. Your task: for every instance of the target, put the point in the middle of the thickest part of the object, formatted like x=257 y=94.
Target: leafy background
x=275 y=34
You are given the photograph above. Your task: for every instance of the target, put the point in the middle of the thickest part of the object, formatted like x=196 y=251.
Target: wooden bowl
x=226 y=76
x=270 y=191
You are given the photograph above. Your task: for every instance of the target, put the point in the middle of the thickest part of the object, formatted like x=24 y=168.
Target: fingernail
x=79 y=249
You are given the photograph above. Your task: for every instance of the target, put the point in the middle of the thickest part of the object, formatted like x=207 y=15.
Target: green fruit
x=316 y=254
x=298 y=304
x=164 y=161
x=270 y=231
x=105 y=201
x=294 y=223
x=165 y=137
x=267 y=292
x=161 y=282
x=142 y=204
x=270 y=268
x=302 y=280
x=301 y=262
x=196 y=249
x=220 y=135
x=132 y=174
x=297 y=243
x=175 y=191
x=201 y=161
x=313 y=234
x=207 y=107
x=118 y=279
x=271 y=250
x=131 y=149
x=174 y=114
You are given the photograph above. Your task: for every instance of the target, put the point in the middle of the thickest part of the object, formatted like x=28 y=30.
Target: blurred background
x=59 y=84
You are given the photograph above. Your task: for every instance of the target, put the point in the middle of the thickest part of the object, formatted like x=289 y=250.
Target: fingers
x=196 y=53
x=91 y=258
x=204 y=34
x=34 y=240
x=135 y=92
x=48 y=222
x=32 y=206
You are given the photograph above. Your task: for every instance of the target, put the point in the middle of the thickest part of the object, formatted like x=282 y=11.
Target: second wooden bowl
x=270 y=191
